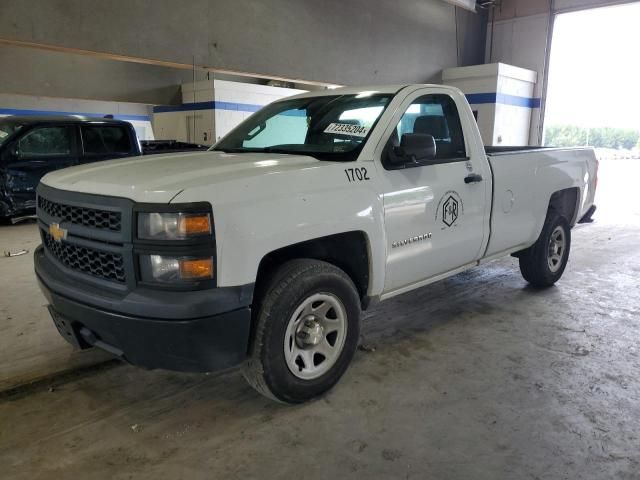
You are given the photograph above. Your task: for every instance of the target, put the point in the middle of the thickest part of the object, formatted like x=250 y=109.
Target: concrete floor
x=475 y=377
x=30 y=346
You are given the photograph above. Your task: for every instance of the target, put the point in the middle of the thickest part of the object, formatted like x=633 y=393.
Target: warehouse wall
x=355 y=42
x=472 y=31
x=31 y=71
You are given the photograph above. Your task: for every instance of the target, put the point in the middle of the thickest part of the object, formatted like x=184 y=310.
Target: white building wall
x=211 y=109
x=229 y=93
x=501 y=97
x=476 y=81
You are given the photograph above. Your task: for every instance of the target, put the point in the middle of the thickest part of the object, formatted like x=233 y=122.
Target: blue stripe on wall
x=502 y=98
x=473 y=98
x=481 y=98
x=16 y=111
x=240 y=107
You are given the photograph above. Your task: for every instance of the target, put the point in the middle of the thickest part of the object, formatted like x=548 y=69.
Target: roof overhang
x=468 y=4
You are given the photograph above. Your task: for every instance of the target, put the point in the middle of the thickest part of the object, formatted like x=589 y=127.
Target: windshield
x=7 y=128
x=327 y=127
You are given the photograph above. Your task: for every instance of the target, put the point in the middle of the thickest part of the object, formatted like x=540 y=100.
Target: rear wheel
x=544 y=262
x=307 y=331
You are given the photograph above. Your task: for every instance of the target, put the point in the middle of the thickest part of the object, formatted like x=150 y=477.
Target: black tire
x=296 y=281
x=534 y=261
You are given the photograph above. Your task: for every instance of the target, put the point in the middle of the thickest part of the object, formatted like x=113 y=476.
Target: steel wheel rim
x=557 y=246
x=315 y=336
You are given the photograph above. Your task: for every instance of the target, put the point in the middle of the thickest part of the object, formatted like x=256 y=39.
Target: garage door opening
x=591 y=97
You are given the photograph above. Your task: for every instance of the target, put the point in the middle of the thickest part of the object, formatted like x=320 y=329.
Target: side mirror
x=416 y=147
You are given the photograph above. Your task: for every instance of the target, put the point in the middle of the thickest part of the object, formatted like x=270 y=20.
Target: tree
x=602 y=137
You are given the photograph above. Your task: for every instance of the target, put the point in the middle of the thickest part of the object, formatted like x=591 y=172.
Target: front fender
x=256 y=216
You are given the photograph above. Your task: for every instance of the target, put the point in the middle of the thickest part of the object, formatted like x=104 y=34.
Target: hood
x=159 y=178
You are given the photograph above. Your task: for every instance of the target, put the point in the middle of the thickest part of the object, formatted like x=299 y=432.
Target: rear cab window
x=105 y=139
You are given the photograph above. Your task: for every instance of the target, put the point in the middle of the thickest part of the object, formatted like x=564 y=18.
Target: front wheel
x=307 y=331
x=544 y=262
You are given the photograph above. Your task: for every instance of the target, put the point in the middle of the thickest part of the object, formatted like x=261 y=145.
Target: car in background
x=32 y=146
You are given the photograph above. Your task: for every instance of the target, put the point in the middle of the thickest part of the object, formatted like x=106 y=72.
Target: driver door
x=435 y=221
x=37 y=152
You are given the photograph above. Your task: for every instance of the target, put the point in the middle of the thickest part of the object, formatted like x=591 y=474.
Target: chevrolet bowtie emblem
x=56 y=232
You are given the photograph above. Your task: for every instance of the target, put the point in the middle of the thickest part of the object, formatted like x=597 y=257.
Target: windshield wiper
x=232 y=150
x=275 y=150
x=284 y=151
x=253 y=150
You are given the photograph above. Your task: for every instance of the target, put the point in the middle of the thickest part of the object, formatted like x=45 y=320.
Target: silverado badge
x=57 y=233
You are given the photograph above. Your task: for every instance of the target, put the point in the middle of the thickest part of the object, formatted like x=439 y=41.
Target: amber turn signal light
x=200 y=269
x=194 y=225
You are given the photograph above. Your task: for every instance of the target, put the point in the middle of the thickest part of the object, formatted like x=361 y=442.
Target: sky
x=594 y=70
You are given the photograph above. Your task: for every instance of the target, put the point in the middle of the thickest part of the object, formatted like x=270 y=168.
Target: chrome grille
x=88 y=217
x=105 y=265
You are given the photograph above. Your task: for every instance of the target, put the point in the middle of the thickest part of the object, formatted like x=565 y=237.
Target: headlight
x=168 y=269
x=173 y=226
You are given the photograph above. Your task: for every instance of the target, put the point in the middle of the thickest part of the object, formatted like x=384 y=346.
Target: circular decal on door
x=450 y=209
x=508 y=199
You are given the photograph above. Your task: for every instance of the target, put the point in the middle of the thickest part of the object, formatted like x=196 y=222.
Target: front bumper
x=9 y=208
x=202 y=335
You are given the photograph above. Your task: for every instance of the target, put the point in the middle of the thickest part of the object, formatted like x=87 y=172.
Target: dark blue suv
x=30 y=147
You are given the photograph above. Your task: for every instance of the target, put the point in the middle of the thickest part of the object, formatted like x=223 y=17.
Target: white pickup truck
x=263 y=251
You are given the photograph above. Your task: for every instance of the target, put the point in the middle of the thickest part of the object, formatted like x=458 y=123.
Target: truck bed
x=517 y=149
x=524 y=179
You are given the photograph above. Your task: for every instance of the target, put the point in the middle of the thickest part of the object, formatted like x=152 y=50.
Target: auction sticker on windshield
x=347 y=129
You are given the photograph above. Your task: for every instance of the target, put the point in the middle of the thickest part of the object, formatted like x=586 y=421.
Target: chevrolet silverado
x=263 y=251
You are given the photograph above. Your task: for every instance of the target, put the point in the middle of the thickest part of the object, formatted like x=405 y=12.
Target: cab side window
x=45 y=142
x=436 y=115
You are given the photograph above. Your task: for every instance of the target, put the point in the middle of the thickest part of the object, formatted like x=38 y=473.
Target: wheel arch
x=349 y=251
x=566 y=203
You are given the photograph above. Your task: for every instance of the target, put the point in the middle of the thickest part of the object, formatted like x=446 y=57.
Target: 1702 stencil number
x=356 y=174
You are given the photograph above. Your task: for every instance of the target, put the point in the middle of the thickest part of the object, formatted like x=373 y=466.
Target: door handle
x=473 y=178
